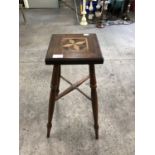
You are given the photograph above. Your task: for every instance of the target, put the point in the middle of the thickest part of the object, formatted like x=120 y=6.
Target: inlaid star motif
x=75 y=44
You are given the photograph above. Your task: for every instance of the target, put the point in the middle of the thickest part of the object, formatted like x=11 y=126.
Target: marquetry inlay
x=75 y=44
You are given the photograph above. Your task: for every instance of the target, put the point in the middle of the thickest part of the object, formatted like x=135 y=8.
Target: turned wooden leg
x=94 y=98
x=53 y=93
x=59 y=70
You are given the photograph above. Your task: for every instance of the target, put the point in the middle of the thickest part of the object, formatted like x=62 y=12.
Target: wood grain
x=75 y=48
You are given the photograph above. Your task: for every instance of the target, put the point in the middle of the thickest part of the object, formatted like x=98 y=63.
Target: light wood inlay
x=75 y=44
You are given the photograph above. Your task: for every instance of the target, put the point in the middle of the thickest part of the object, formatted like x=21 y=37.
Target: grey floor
x=72 y=132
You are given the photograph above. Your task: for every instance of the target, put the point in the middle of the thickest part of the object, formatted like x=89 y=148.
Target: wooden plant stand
x=73 y=49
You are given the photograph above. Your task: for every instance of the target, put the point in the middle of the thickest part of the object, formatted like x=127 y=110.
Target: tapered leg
x=53 y=93
x=94 y=98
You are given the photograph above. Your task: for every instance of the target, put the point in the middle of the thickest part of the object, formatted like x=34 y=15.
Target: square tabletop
x=74 y=49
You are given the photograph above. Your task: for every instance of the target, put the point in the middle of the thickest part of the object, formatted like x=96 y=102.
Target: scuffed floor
x=73 y=132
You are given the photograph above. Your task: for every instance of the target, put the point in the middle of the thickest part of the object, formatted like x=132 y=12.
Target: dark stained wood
x=75 y=49
x=59 y=76
x=94 y=98
x=53 y=93
x=76 y=88
x=72 y=87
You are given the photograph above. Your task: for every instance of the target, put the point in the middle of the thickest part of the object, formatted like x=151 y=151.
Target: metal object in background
x=91 y=14
x=22 y=11
x=26 y=4
x=126 y=16
x=99 y=23
x=73 y=9
x=77 y=16
x=83 y=19
x=98 y=8
x=103 y=17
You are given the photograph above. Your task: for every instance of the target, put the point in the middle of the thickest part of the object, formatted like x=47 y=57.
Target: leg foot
x=48 y=129
x=96 y=131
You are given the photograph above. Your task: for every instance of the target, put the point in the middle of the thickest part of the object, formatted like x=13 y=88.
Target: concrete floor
x=73 y=132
